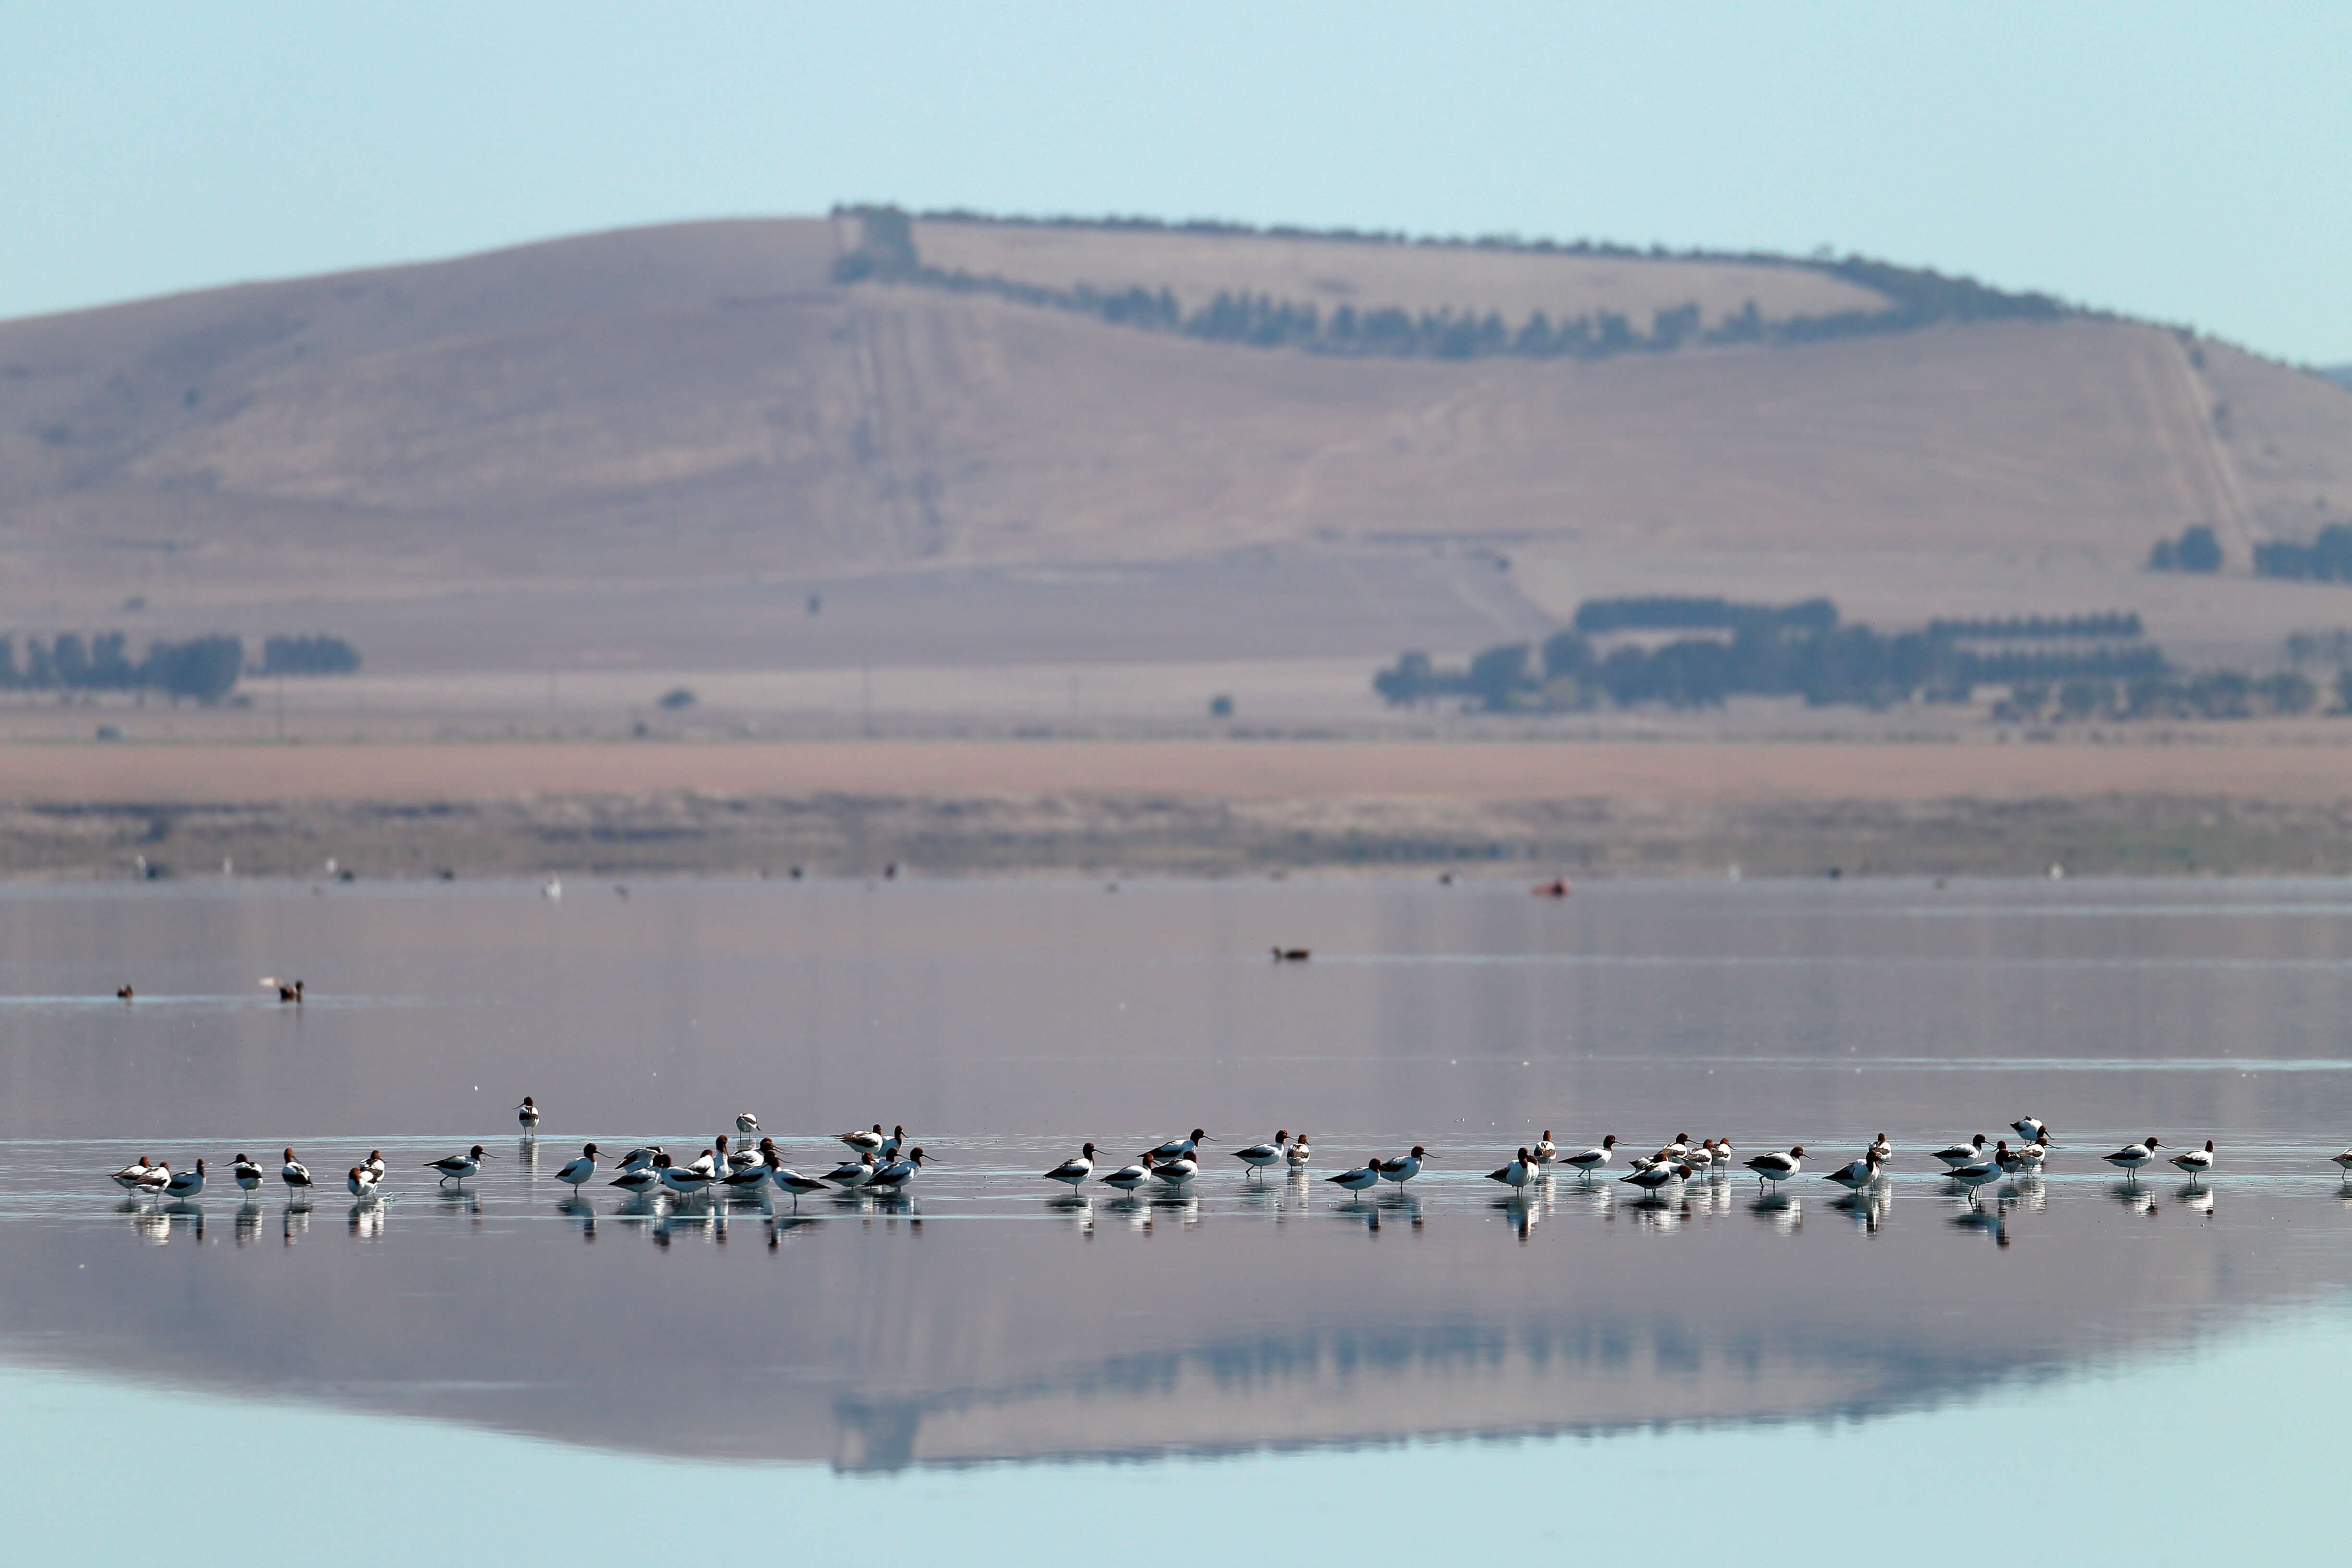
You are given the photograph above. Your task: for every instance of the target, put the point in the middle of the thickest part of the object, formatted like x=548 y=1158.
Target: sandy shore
x=1699 y=774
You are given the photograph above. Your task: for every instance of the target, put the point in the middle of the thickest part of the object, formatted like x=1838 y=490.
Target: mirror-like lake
x=989 y=1315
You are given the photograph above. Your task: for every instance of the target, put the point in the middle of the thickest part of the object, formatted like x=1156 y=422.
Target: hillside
x=540 y=456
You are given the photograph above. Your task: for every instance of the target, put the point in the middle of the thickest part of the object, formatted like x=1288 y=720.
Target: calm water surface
x=1468 y=1367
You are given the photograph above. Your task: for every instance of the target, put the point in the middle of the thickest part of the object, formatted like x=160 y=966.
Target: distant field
x=1415 y=278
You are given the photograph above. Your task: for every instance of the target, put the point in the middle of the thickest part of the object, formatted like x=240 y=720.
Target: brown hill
x=596 y=421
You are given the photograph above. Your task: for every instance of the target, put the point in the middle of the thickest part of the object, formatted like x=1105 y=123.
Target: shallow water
x=988 y=1317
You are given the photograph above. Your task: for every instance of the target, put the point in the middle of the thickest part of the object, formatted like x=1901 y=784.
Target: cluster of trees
x=309 y=655
x=205 y=669
x=2025 y=628
x=886 y=253
x=2207 y=694
x=2197 y=550
x=1772 y=650
x=2326 y=558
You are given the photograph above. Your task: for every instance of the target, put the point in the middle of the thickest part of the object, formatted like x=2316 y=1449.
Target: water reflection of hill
x=1016 y=1330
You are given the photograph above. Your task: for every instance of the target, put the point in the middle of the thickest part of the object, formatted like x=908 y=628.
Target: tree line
x=886 y=253
x=2326 y=558
x=1772 y=650
x=205 y=669
x=2022 y=628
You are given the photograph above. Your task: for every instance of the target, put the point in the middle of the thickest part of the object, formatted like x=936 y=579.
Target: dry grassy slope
x=699 y=400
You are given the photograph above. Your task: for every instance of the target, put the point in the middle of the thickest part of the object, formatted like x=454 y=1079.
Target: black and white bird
x=1406 y=1169
x=1777 y=1167
x=360 y=1183
x=1076 y=1169
x=746 y=1123
x=894 y=1176
x=862 y=1142
x=2343 y=1161
x=2132 y=1156
x=374 y=1164
x=1298 y=1154
x=295 y=1175
x=1258 y=1156
x=2032 y=1127
x=245 y=1174
x=891 y=1146
x=851 y=1174
x=1656 y=1177
x=686 y=1179
x=1182 y=1148
x=1978 y=1173
x=130 y=1177
x=1593 y=1159
x=790 y=1181
x=527 y=1113
x=1518 y=1173
x=2195 y=1161
x=189 y=1184
x=158 y=1177
x=641 y=1158
x=1126 y=1178
x=578 y=1172
x=1857 y=1174
x=746 y=1180
x=459 y=1167
x=1175 y=1172
x=644 y=1178
x=1544 y=1152
x=1367 y=1174
x=1958 y=1154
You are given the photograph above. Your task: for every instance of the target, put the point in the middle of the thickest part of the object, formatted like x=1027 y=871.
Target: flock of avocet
x=886 y=1166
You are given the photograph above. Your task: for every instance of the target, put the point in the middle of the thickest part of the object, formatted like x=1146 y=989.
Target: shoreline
x=704 y=834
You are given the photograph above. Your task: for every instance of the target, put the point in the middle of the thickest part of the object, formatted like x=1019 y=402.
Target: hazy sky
x=2191 y=162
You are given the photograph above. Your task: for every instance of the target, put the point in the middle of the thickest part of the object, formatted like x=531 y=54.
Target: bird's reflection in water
x=2134 y=1196
x=1584 y=1198
x=1784 y=1212
x=1134 y=1208
x=249 y=1221
x=1992 y=1221
x=1522 y=1212
x=1179 y=1205
x=1078 y=1208
x=297 y=1221
x=783 y=1225
x=367 y=1217
x=2196 y=1197
x=701 y=1223
x=583 y=1212
x=527 y=1155
x=151 y=1225
x=1658 y=1211
x=1714 y=1196
x=1868 y=1208
x=457 y=1200
x=2029 y=1193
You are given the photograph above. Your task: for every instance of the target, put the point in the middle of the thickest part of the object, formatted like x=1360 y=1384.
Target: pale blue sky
x=2191 y=162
